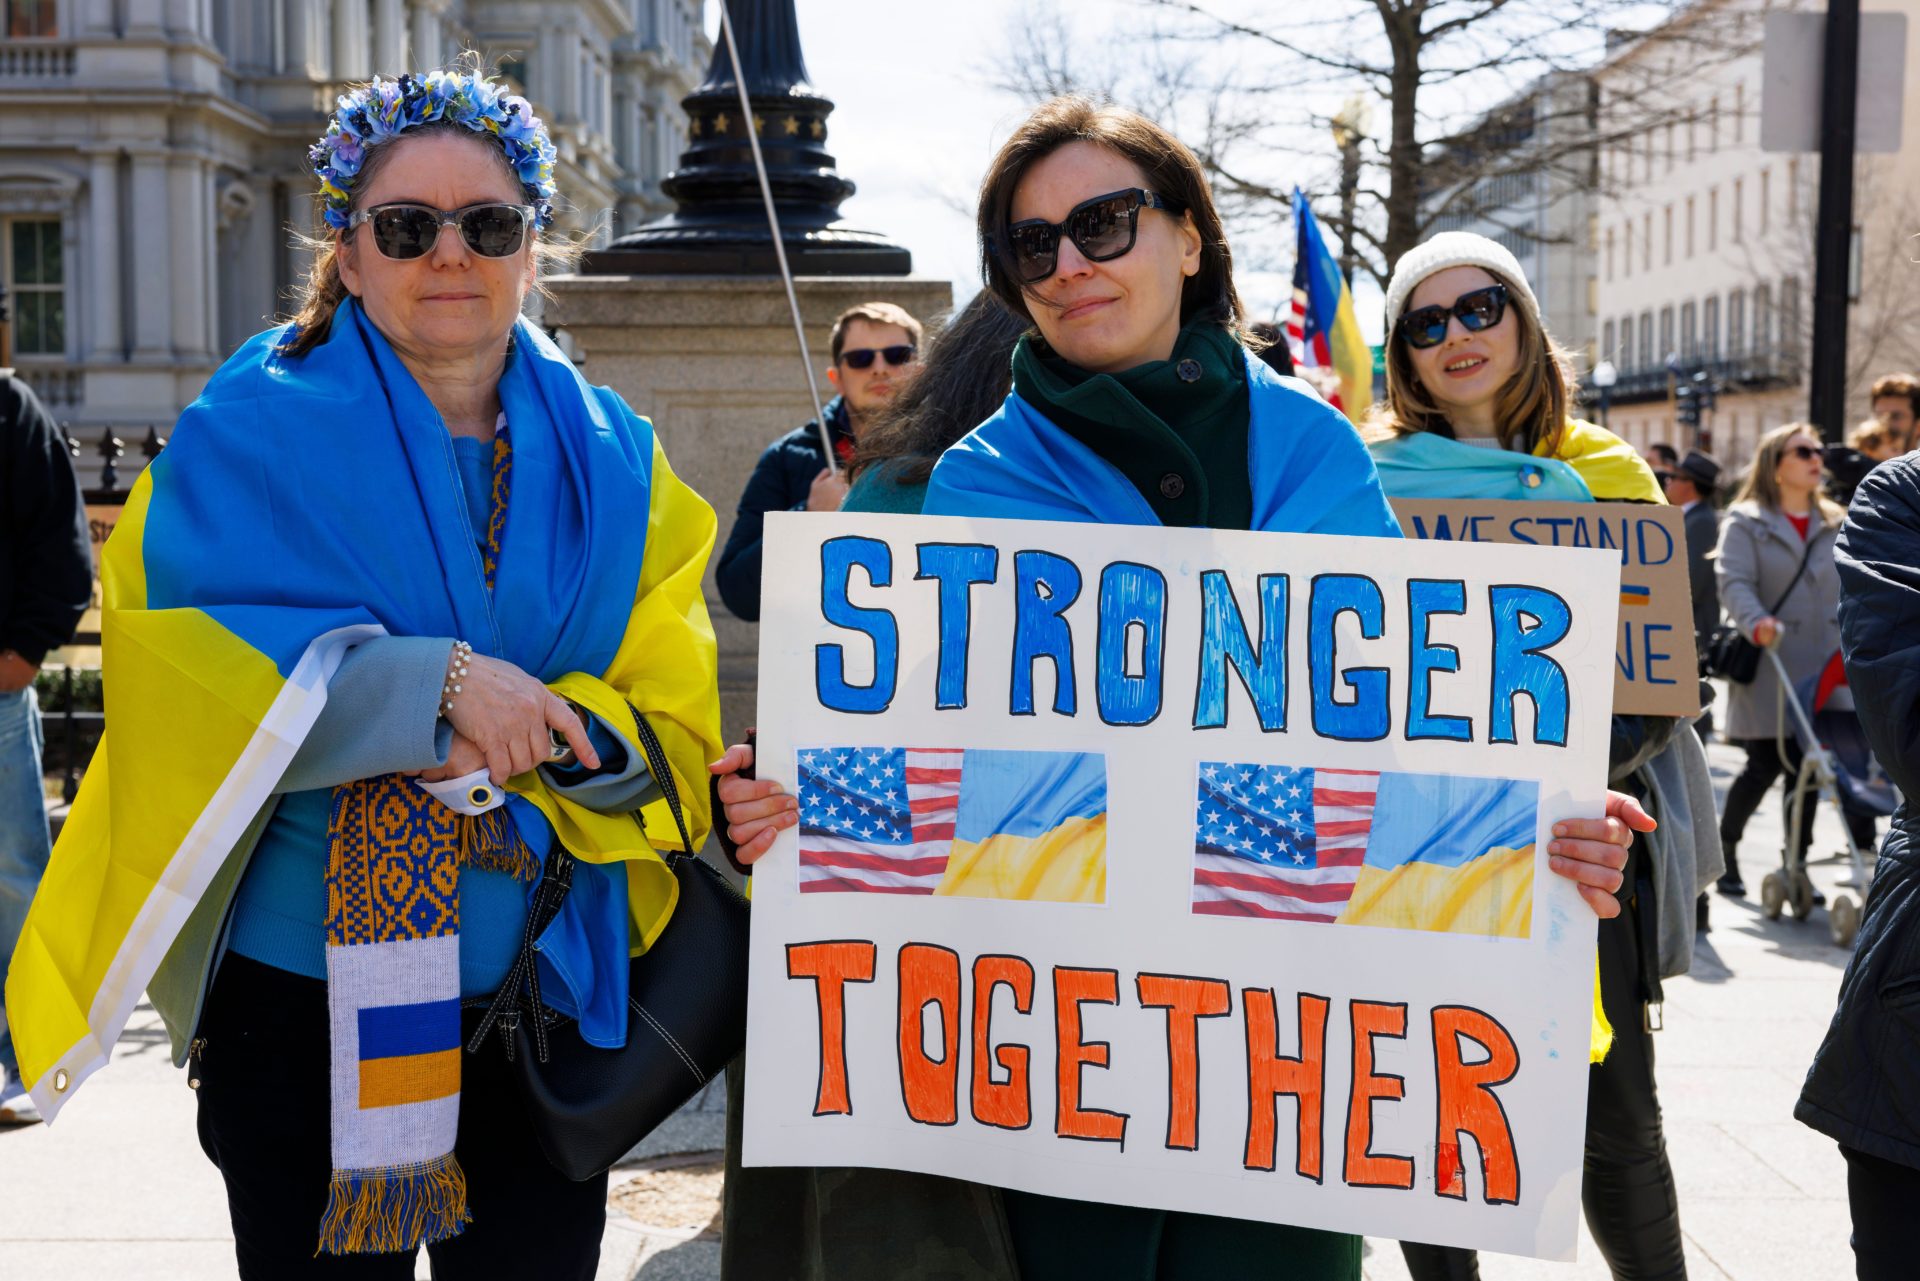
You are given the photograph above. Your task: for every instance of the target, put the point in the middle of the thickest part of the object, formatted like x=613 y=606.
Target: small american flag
x=877 y=819
x=1279 y=841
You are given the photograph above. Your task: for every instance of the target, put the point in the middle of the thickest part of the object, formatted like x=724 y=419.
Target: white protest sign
x=1182 y=868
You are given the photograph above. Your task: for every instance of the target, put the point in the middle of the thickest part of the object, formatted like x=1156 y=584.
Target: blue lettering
x=1045 y=585
x=1526 y=622
x=1425 y=598
x=1223 y=640
x=838 y=556
x=957 y=566
x=1366 y=717
x=1131 y=596
x=1662 y=540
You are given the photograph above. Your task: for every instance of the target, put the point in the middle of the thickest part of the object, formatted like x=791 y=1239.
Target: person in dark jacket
x=1690 y=485
x=875 y=348
x=46 y=581
x=1864 y=1087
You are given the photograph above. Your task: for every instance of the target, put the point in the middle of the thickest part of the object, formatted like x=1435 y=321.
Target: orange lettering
x=1364 y=1169
x=1071 y=987
x=1186 y=1001
x=1271 y=1074
x=1003 y=1104
x=1468 y=1104
x=929 y=975
x=832 y=966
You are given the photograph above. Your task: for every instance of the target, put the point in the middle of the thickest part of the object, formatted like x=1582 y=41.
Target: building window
x=1713 y=219
x=1628 y=225
x=1606 y=339
x=1762 y=319
x=1710 y=328
x=1790 y=316
x=1646 y=236
x=1689 y=226
x=1647 y=357
x=1625 y=359
x=1666 y=334
x=1666 y=220
x=36 y=279
x=1670 y=155
x=1793 y=189
x=1739 y=199
x=1693 y=124
x=1609 y=255
x=1737 y=323
x=1689 y=331
x=1766 y=197
x=30 y=18
x=1740 y=112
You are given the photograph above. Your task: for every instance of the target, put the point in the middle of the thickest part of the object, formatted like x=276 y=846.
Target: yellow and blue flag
x=973 y=823
x=1323 y=332
x=1355 y=847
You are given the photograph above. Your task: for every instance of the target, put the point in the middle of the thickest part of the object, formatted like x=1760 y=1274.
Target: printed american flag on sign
x=877 y=819
x=1279 y=841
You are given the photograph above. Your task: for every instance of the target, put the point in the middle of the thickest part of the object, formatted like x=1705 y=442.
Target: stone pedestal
x=711 y=360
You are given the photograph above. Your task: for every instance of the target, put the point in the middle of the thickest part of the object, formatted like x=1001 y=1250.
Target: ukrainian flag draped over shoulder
x=304 y=505
x=1311 y=474
x=1585 y=463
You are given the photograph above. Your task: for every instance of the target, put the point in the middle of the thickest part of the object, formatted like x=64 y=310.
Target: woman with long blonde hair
x=1781 y=588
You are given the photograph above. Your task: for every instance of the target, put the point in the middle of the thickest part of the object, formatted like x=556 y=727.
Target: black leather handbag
x=1729 y=654
x=686 y=1011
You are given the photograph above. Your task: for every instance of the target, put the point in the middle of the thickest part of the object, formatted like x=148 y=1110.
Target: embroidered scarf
x=393 y=986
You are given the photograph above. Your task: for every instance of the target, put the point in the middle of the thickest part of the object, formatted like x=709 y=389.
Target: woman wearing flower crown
x=372 y=630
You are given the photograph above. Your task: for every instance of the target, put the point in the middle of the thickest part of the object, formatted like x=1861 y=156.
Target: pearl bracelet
x=456 y=673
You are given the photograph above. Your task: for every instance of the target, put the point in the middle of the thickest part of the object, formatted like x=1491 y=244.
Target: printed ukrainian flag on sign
x=1449 y=853
x=1031 y=825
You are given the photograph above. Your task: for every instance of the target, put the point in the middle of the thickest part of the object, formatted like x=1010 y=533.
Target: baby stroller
x=1835 y=760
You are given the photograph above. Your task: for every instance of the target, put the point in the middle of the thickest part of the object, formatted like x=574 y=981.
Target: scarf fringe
x=394 y=1210
x=491 y=841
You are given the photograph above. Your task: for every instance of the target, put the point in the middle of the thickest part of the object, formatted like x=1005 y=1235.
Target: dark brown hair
x=878 y=313
x=1168 y=167
x=323 y=291
x=965 y=373
x=1529 y=410
x=1762 y=484
x=1897 y=385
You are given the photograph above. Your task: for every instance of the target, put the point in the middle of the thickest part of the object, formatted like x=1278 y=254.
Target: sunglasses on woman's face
x=862 y=357
x=1804 y=452
x=404 y=231
x=1479 y=309
x=1102 y=229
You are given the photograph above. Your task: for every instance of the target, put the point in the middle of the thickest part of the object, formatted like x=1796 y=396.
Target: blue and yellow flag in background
x=1323 y=331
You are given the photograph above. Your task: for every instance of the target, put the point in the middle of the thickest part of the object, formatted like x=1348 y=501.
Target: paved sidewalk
x=120 y=1188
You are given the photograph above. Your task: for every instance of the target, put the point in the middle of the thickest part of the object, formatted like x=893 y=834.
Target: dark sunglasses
x=862 y=357
x=1102 y=229
x=1477 y=310
x=1804 y=452
x=403 y=231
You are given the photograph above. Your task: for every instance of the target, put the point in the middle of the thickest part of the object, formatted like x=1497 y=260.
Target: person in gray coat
x=1689 y=485
x=1778 y=520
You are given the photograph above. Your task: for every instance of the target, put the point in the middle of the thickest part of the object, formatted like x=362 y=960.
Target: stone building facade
x=153 y=186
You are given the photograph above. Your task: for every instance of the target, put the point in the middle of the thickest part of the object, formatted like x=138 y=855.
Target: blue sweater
x=382 y=717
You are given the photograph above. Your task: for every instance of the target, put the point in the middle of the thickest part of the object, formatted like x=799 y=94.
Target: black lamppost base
x=720 y=224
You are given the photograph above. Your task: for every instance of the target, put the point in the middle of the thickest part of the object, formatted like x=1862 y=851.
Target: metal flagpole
x=779 y=248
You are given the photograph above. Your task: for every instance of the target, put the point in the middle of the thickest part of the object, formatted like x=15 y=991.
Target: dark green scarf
x=1182 y=441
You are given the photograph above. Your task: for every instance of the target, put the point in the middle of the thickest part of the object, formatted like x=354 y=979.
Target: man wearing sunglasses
x=875 y=348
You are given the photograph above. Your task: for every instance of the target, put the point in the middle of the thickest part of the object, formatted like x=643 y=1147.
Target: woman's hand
x=463 y=758
x=507 y=714
x=1765 y=631
x=1591 y=852
x=757 y=809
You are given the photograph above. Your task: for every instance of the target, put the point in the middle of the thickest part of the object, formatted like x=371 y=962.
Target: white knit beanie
x=1456 y=249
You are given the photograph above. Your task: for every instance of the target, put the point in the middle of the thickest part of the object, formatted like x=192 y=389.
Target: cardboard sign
x=1182 y=868
x=1656 y=665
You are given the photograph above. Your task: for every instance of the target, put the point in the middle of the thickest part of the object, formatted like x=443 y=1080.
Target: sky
x=917 y=119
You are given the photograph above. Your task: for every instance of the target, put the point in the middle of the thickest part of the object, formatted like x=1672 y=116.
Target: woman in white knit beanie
x=1478 y=407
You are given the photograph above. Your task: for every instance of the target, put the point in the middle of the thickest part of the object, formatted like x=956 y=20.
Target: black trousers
x=1882 y=1195
x=1627 y=1188
x=264 y=1122
x=1749 y=788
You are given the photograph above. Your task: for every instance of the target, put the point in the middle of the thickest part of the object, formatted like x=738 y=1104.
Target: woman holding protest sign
x=383 y=627
x=1477 y=407
x=1135 y=401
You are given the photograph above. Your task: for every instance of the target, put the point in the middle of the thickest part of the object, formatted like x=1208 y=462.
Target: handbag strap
x=507 y=1007
x=1793 y=583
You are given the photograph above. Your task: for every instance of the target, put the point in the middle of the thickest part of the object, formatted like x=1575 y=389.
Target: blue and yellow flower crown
x=385 y=109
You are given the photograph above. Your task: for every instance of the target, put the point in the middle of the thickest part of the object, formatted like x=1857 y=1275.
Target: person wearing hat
x=1478 y=407
x=1690 y=486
